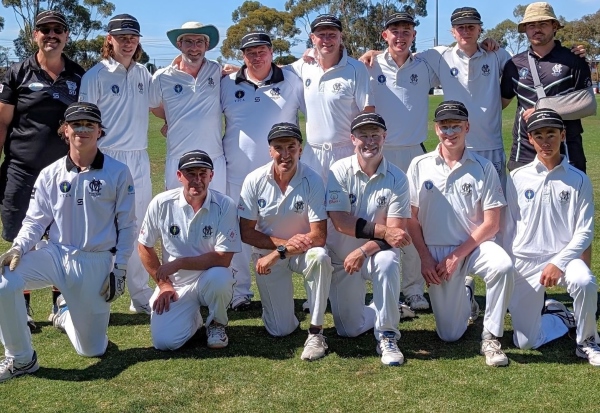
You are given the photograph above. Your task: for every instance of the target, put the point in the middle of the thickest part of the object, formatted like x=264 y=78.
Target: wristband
x=363 y=251
x=383 y=245
x=364 y=229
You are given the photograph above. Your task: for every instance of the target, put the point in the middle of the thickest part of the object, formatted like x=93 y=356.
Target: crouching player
x=550 y=223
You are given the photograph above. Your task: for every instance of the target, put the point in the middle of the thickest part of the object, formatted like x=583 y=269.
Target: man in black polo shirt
x=34 y=95
x=560 y=72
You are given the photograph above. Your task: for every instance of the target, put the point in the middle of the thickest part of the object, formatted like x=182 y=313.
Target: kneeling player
x=550 y=224
x=199 y=231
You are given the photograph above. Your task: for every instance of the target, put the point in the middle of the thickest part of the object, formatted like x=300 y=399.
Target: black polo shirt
x=560 y=72
x=276 y=76
x=32 y=140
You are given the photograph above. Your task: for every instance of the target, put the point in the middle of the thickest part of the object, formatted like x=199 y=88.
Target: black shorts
x=16 y=186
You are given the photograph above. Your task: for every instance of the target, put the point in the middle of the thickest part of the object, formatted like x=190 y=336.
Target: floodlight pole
x=435 y=40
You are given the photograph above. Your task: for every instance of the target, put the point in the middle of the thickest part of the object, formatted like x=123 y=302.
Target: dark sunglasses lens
x=47 y=30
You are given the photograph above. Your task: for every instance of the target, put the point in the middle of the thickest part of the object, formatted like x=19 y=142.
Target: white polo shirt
x=349 y=189
x=451 y=201
x=185 y=234
x=333 y=98
x=122 y=97
x=401 y=96
x=278 y=214
x=90 y=210
x=192 y=108
x=550 y=213
x=474 y=81
x=250 y=112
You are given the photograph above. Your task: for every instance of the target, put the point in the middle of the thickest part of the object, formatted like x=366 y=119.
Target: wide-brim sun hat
x=195 y=28
x=538 y=12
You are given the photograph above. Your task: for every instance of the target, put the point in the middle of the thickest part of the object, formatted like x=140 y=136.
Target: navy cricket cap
x=284 y=130
x=195 y=159
x=400 y=18
x=255 y=39
x=324 y=20
x=465 y=15
x=544 y=118
x=451 y=109
x=364 y=119
x=50 y=16
x=83 y=111
x=123 y=24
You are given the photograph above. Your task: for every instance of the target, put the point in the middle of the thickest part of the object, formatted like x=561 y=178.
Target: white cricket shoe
x=406 y=311
x=589 y=350
x=470 y=286
x=494 y=356
x=315 y=347
x=417 y=302
x=58 y=318
x=558 y=309
x=216 y=336
x=140 y=309
x=8 y=369
x=240 y=303
x=388 y=349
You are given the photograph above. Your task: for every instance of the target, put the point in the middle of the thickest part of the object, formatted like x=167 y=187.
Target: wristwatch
x=282 y=250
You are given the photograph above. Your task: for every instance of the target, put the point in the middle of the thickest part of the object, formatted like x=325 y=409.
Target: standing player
x=33 y=97
x=119 y=86
x=86 y=198
x=282 y=215
x=551 y=222
x=368 y=203
x=187 y=95
x=456 y=200
x=336 y=89
x=255 y=98
x=199 y=231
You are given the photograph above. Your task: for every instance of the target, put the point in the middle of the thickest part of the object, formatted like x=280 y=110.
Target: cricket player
x=456 y=200
x=119 y=86
x=368 y=203
x=336 y=89
x=550 y=222
x=282 y=215
x=199 y=230
x=255 y=98
x=34 y=95
x=86 y=198
x=187 y=95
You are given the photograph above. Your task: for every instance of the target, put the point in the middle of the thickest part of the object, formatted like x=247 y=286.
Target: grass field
x=259 y=373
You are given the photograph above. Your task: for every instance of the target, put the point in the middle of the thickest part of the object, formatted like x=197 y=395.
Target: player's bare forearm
x=159 y=112
x=256 y=238
x=204 y=261
x=343 y=222
x=416 y=233
x=149 y=260
x=505 y=102
x=6 y=115
x=485 y=232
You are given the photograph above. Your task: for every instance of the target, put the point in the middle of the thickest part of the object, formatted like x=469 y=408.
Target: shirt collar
x=459 y=52
x=97 y=163
x=276 y=77
x=33 y=63
x=175 y=63
x=557 y=46
x=390 y=60
x=540 y=167
x=112 y=65
x=182 y=202
x=295 y=179
x=467 y=156
x=381 y=169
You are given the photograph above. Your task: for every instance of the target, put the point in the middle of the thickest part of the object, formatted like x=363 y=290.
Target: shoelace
x=492 y=346
x=7 y=364
x=218 y=331
x=590 y=342
x=390 y=345
x=316 y=340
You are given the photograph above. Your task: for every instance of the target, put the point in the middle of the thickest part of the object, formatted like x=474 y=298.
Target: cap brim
x=195 y=164
x=368 y=123
x=325 y=24
x=256 y=43
x=399 y=21
x=283 y=134
x=119 y=32
x=545 y=124
x=50 y=21
x=208 y=30
x=466 y=20
x=450 y=116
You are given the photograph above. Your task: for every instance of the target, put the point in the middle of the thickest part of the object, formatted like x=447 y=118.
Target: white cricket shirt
x=92 y=210
x=349 y=189
x=451 y=201
x=250 y=112
x=550 y=213
x=401 y=97
x=185 y=234
x=122 y=97
x=333 y=98
x=474 y=81
x=192 y=108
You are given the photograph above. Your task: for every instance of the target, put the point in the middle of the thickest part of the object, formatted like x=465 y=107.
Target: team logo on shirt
x=65 y=187
x=211 y=82
x=529 y=194
x=485 y=70
x=239 y=95
x=307 y=82
x=523 y=72
x=141 y=87
x=115 y=89
x=381 y=79
x=337 y=87
x=130 y=190
x=95 y=186
x=556 y=70
x=36 y=86
x=564 y=196
x=428 y=185
x=174 y=230
x=414 y=79
x=381 y=201
x=262 y=203
x=466 y=189
x=178 y=88
x=352 y=198
x=454 y=72
x=72 y=86
x=207 y=231
x=231 y=237
x=275 y=92
x=299 y=207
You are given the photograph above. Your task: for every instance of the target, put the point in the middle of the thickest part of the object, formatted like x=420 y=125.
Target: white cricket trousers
x=321 y=157
x=213 y=289
x=531 y=328
x=277 y=290
x=347 y=296
x=79 y=275
x=450 y=302
x=137 y=276
x=218 y=183
x=412 y=280
x=240 y=263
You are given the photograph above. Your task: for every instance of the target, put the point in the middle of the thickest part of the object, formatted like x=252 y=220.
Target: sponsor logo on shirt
x=334 y=197
x=381 y=201
x=262 y=203
x=557 y=70
x=141 y=87
x=428 y=185
x=178 y=88
x=72 y=86
x=64 y=187
x=466 y=189
x=130 y=190
x=352 y=198
x=174 y=230
x=95 y=186
x=485 y=70
x=529 y=194
x=564 y=196
x=299 y=207
x=307 y=82
x=115 y=89
x=35 y=86
x=454 y=72
x=414 y=79
x=239 y=95
x=232 y=236
x=381 y=79
x=523 y=72
x=207 y=231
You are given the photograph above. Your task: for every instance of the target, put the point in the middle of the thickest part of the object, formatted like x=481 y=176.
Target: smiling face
x=466 y=35
x=452 y=133
x=258 y=58
x=195 y=182
x=123 y=45
x=82 y=135
x=368 y=142
x=327 y=40
x=546 y=142
x=541 y=33
x=399 y=37
x=285 y=153
x=193 y=47
x=51 y=37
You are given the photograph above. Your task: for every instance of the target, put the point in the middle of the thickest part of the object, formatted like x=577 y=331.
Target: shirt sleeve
x=125 y=217
x=89 y=91
x=228 y=237
x=434 y=81
x=399 y=206
x=150 y=231
x=512 y=215
x=296 y=67
x=248 y=204
x=413 y=184
x=492 y=194
x=432 y=57
x=8 y=88
x=337 y=195
x=155 y=95
x=316 y=200
x=362 y=89
x=509 y=74
x=503 y=58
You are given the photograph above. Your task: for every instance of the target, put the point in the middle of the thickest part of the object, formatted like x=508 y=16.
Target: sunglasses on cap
x=46 y=30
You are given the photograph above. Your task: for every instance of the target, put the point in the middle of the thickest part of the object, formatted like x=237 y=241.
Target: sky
x=156 y=17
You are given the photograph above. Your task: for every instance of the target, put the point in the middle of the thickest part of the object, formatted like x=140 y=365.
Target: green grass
x=260 y=373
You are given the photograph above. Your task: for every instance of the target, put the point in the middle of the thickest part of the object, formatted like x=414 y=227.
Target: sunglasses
x=451 y=130
x=46 y=30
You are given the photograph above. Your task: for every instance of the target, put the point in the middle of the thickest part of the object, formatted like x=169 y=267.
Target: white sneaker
x=314 y=347
x=58 y=318
x=494 y=356
x=589 y=350
x=389 y=351
x=216 y=336
x=306 y=307
x=417 y=302
x=470 y=286
x=558 y=309
x=241 y=303
x=406 y=311
x=8 y=370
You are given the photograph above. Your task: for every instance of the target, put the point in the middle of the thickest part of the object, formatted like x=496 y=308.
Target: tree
x=506 y=32
x=252 y=15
